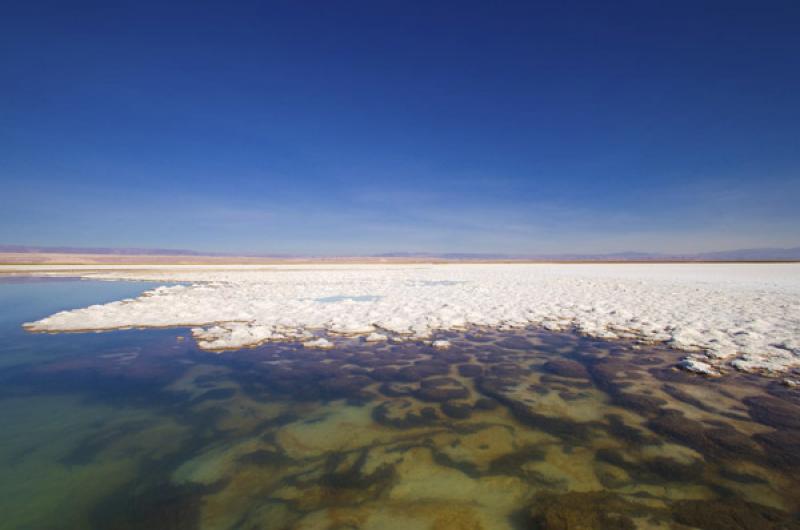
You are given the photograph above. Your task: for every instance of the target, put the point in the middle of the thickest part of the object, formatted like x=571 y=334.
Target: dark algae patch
x=509 y=430
x=590 y=511
x=731 y=514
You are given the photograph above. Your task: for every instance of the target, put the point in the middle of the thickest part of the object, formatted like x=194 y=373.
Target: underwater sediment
x=502 y=430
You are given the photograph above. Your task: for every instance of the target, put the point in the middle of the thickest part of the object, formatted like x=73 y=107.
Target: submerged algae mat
x=504 y=430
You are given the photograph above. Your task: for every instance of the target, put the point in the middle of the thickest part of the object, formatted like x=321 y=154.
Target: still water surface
x=138 y=429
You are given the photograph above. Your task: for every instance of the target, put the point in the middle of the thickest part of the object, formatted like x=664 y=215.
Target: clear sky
x=366 y=127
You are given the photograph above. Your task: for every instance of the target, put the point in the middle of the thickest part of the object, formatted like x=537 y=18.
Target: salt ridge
x=741 y=315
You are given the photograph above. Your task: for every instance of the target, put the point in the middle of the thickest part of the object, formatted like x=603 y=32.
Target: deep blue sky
x=365 y=127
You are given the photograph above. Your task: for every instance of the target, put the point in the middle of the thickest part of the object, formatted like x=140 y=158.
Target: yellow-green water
x=513 y=430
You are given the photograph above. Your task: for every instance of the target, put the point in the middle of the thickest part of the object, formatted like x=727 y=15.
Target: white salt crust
x=741 y=315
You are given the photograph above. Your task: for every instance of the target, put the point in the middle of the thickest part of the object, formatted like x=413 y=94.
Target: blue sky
x=369 y=127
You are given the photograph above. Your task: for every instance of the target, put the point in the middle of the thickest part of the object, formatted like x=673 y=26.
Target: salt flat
x=742 y=315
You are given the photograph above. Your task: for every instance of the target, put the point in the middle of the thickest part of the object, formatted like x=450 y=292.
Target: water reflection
x=512 y=430
x=347 y=298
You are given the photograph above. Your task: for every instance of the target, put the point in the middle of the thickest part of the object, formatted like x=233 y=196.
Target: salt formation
x=741 y=315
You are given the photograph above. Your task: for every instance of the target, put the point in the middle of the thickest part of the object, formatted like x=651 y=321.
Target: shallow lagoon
x=138 y=429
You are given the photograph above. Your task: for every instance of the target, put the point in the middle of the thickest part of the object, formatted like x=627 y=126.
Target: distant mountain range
x=754 y=254
x=749 y=254
x=25 y=249
x=494 y=256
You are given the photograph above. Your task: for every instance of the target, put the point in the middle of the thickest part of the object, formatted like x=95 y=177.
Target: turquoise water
x=138 y=429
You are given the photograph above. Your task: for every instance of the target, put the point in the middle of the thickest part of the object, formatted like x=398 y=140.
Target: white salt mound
x=320 y=344
x=376 y=337
x=742 y=315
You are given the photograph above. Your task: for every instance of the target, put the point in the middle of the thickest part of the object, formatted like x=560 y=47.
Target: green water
x=138 y=429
